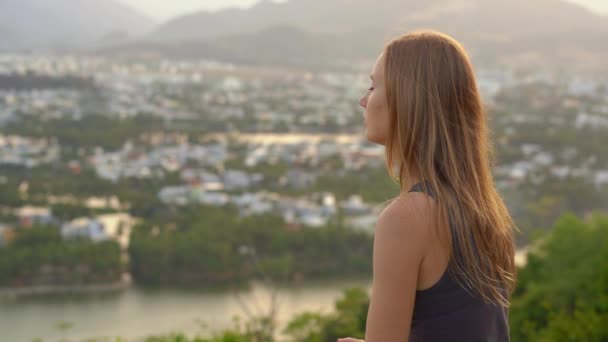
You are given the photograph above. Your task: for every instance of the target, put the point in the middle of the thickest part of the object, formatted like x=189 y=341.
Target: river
x=136 y=312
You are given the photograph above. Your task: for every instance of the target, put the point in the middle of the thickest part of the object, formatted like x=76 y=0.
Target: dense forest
x=40 y=256
x=205 y=246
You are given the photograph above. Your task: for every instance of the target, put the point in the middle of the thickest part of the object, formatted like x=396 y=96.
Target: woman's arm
x=400 y=241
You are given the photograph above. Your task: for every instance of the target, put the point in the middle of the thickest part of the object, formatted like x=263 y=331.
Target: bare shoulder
x=410 y=213
x=406 y=222
x=400 y=244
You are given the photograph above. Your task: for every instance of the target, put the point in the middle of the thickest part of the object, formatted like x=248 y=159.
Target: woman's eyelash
x=370 y=88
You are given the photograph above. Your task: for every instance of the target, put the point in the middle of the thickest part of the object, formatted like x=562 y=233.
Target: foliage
x=562 y=292
x=39 y=256
x=205 y=245
x=348 y=319
x=90 y=131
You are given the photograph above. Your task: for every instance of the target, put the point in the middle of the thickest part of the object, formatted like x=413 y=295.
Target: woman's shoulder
x=410 y=213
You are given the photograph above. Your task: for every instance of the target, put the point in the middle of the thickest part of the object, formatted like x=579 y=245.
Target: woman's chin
x=373 y=139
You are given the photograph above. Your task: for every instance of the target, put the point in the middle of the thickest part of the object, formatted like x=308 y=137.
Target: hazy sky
x=163 y=9
x=166 y=9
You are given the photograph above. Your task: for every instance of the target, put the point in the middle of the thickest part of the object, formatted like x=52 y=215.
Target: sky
x=163 y=10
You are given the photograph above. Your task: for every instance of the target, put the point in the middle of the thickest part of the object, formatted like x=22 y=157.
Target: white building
x=355 y=206
x=29 y=215
x=601 y=178
x=84 y=227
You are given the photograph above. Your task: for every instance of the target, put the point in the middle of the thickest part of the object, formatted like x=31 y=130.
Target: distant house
x=118 y=226
x=210 y=181
x=582 y=87
x=85 y=227
x=355 y=206
x=543 y=158
x=601 y=178
x=215 y=154
x=365 y=223
x=108 y=172
x=234 y=179
x=29 y=216
x=310 y=215
x=260 y=207
x=520 y=169
x=328 y=204
x=256 y=156
x=327 y=148
x=328 y=199
x=252 y=204
x=74 y=167
x=174 y=194
x=298 y=178
x=207 y=180
x=589 y=120
x=245 y=199
x=313 y=220
x=231 y=83
x=289 y=217
x=529 y=149
x=212 y=198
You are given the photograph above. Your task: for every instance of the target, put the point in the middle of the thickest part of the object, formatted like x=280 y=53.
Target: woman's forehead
x=378 y=69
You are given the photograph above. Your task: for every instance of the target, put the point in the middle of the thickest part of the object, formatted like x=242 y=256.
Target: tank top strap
x=426 y=187
x=423 y=186
x=455 y=232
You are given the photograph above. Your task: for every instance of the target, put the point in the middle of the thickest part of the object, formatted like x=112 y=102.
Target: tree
x=562 y=292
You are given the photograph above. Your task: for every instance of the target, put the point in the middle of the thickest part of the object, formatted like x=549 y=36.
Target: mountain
x=279 y=45
x=476 y=18
x=311 y=32
x=315 y=16
x=66 y=23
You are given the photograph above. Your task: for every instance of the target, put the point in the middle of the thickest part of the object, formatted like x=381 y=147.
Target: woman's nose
x=363 y=101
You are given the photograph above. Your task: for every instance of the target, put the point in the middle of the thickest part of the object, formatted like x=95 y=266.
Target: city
x=168 y=179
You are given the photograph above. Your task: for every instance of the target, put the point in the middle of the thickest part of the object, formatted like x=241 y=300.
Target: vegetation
x=207 y=245
x=31 y=80
x=39 y=256
x=562 y=292
x=90 y=131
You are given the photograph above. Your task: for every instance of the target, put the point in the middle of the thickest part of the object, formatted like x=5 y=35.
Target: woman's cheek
x=371 y=104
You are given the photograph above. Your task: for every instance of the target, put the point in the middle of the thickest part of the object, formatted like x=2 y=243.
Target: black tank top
x=448 y=312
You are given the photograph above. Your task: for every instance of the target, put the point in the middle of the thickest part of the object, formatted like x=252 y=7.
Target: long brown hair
x=439 y=125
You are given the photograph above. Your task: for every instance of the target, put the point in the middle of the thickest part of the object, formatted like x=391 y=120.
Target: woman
x=443 y=261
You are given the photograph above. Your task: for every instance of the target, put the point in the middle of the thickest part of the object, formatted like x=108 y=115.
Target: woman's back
x=446 y=311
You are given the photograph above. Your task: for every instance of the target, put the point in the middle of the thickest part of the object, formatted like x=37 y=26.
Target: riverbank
x=126 y=282
x=137 y=312
x=44 y=290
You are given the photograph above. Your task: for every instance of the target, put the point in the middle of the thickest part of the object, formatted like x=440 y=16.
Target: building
x=84 y=227
x=29 y=216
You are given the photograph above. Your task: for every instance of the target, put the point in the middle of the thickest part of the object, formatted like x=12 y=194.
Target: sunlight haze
x=164 y=10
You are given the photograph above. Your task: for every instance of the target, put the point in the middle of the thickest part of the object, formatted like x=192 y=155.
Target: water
x=138 y=312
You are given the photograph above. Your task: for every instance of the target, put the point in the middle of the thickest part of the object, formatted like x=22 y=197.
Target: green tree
x=562 y=292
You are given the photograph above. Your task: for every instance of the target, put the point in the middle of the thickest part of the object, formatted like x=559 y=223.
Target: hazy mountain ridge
x=514 y=18
x=316 y=30
x=66 y=23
